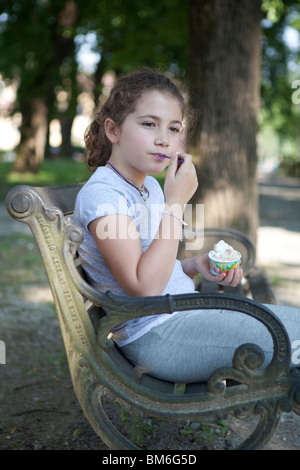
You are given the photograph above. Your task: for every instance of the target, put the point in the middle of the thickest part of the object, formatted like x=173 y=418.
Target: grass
x=60 y=171
x=56 y=172
x=21 y=263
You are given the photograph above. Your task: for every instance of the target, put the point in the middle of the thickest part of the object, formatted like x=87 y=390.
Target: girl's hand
x=181 y=181
x=200 y=264
x=232 y=278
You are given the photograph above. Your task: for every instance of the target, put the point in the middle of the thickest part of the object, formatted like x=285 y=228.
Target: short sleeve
x=99 y=198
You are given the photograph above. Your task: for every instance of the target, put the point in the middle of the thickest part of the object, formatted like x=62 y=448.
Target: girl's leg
x=192 y=344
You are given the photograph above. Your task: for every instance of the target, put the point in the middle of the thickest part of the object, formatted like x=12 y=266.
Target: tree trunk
x=224 y=78
x=66 y=122
x=65 y=48
x=30 y=152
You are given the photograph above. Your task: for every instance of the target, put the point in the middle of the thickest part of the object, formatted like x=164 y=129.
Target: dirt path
x=279 y=236
x=38 y=408
x=278 y=251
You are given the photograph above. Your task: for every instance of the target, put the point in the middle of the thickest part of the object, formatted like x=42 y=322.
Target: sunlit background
x=272 y=145
x=10 y=124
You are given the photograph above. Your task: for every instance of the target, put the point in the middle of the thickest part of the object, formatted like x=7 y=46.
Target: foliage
x=38 y=48
x=273 y=9
x=37 y=38
x=30 y=34
x=141 y=32
x=280 y=70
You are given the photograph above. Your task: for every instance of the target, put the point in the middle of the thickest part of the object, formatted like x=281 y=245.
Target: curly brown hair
x=121 y=101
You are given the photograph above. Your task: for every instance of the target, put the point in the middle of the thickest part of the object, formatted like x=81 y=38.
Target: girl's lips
x=161 y=155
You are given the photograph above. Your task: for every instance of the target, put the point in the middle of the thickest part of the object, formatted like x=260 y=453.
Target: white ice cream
x=224 y=252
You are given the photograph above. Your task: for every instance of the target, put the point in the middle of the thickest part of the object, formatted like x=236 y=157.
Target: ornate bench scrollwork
x=98 y=368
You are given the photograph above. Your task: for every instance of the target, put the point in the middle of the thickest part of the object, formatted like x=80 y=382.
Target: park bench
x=99 y=370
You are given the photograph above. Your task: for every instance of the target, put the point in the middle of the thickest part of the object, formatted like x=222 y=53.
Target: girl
x=132 y=231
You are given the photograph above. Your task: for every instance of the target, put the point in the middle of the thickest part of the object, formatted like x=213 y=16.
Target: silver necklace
x=143 y=190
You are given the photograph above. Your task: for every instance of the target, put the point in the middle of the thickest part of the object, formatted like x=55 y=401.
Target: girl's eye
x=175 y=130
x=149 y=124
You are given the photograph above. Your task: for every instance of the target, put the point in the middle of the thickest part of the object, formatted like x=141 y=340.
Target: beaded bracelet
x=179 y=218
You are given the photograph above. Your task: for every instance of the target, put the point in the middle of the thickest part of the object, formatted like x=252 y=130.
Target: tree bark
x=65 y=48
x=66 y=149
x=30 y=152
x=224 y=77
x=34 y=109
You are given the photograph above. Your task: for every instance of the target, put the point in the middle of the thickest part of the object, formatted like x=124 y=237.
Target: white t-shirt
x=106 y=193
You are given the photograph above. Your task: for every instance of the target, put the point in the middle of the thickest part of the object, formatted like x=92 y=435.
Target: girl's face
x=153 y=128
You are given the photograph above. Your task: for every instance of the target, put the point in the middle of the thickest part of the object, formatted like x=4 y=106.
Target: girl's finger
x=172 y=166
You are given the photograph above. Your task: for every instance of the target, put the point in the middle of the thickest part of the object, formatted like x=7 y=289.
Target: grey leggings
x=191 y=345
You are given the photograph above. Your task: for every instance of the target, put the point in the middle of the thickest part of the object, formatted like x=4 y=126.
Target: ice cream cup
x=220 y=267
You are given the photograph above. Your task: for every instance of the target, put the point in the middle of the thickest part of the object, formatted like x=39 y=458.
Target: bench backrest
x=62 y=197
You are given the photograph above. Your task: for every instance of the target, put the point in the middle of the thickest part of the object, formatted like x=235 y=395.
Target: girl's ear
x=111 y=130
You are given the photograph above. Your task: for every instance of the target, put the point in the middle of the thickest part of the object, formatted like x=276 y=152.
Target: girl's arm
x=200 y=265
x=147 y=273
